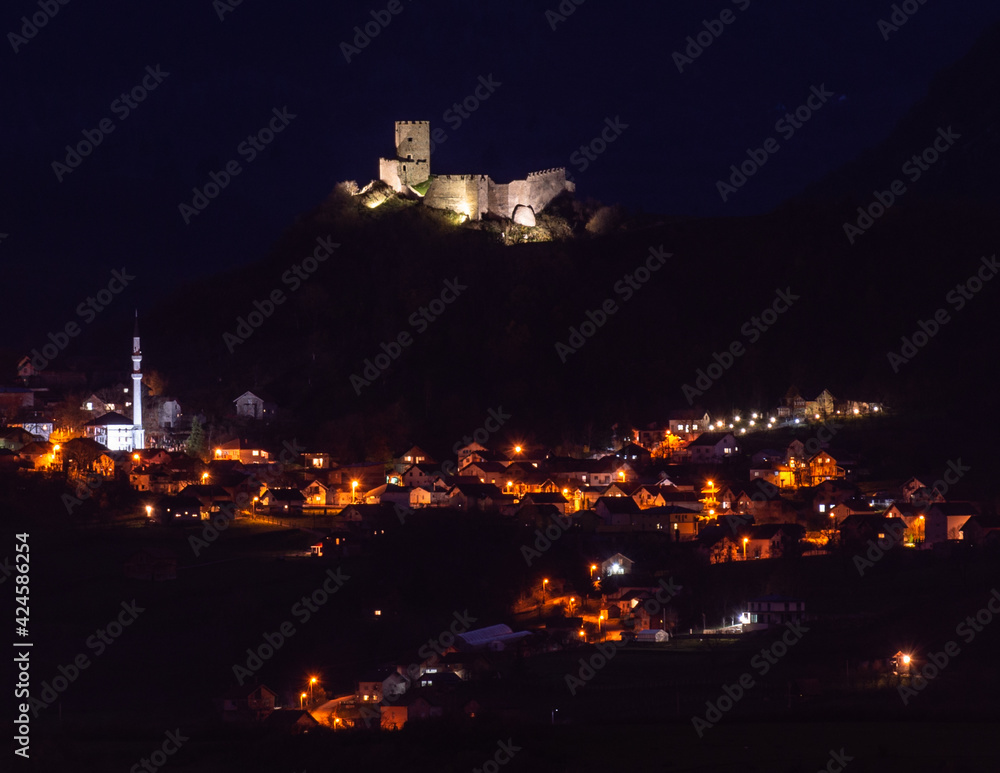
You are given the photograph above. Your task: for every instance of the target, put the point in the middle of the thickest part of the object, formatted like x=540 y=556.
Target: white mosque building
x=113 y=429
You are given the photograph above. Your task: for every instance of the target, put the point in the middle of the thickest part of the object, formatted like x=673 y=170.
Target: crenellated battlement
x=472 y=195
x=560 y=170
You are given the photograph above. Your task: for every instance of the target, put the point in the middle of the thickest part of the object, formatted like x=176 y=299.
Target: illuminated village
x=775 y=484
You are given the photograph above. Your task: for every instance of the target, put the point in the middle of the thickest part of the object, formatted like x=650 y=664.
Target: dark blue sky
x=557 y=88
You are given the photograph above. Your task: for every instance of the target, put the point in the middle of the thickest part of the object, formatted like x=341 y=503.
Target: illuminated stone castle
x=472 y=195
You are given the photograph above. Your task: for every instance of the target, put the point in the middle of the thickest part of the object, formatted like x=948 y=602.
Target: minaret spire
x=138 y=434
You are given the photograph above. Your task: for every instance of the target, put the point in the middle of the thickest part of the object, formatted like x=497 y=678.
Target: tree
x=195 y=445
x=68 y=415
x=155 y=383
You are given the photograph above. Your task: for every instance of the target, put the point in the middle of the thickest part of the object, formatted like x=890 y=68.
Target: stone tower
x=412 y=164
x=138 y=433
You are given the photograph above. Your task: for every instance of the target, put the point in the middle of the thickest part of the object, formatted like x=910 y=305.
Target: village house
x=946 y=519
x=477 y=496
x=617 y=564
x=821 y=467
x=712 y=448
x=252 y=406
x=689 y=422
x=316 y=493
x=774 y=609
x=251 y=703
x=411 y=456
x=241 y=450
x=982 y=530
x=282 y=501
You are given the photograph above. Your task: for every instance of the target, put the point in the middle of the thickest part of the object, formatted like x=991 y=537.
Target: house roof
x=956 y=508
x=287 y=718
x=111 y=419
x=769 y=530
x=477 y=489
x=285 y=494
x=618 y=505
x=983 y=522
x=775 y=597
x=546 y=498
x=709 y=439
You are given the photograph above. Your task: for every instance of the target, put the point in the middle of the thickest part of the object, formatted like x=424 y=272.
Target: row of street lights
x=302 y=697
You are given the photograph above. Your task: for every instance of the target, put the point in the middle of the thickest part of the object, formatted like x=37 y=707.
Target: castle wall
x=388 y=172
x=413 y=149
x=469 y=194
x=536 y=191
x=457 y=192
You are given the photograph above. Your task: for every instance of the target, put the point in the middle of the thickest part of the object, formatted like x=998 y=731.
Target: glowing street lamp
x=204 y=477
x=354 y=491
x=517 y=449
x=745 y=541
x=312 y=681
x=302 y=699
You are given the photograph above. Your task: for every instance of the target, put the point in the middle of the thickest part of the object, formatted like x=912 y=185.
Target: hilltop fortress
x=472 y=195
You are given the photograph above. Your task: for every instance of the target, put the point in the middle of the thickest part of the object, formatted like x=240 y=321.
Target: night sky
x=560 y=81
